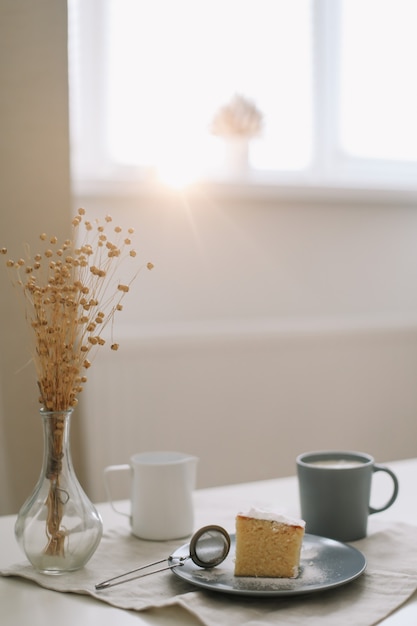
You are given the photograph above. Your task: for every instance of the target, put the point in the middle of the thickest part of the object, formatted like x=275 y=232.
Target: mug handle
x=382 y=468
x=107 y=470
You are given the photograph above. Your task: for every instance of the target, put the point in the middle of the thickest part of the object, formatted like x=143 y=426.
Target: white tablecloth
x=390 y=578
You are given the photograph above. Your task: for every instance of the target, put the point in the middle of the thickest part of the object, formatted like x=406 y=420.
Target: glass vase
x=58 y=527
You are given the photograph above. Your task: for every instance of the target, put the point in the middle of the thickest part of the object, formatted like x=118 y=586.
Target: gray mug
x=335 y=491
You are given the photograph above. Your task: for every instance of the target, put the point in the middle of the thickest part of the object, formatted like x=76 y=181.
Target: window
x=378 y=86
x=334 y=81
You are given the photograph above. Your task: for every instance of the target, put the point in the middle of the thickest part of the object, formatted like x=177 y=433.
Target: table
x=23 y=602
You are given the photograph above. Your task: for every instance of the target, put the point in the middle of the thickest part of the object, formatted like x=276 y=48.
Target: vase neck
x=56 y=429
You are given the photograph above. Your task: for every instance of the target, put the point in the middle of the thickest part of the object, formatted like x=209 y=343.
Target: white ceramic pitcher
x=162 y=485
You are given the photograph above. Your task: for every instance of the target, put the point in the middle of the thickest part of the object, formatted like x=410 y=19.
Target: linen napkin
x=390 y=578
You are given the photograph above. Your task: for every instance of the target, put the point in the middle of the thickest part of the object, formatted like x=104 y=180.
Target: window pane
x=378 y=78
x=173 y=63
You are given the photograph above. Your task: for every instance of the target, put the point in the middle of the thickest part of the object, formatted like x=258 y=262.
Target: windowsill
x=256 y=186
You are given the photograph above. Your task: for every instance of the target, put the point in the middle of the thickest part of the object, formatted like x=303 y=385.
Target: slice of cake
x=268 y=544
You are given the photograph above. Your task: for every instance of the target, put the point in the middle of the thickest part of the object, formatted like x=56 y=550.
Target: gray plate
x=324 y=564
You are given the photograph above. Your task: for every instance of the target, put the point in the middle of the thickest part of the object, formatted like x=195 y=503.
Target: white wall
x=265 y=329
x=245 y=259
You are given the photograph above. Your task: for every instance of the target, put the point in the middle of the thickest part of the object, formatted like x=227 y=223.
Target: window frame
x=331 y=174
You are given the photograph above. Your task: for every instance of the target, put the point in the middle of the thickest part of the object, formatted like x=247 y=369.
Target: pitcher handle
x=107 y=470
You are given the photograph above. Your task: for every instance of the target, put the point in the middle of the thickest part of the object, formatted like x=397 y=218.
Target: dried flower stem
x=56 y=497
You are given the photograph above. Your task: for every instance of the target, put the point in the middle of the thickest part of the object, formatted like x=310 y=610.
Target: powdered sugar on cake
x=272 y=516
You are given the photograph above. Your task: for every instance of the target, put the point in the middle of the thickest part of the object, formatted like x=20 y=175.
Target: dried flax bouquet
x=71 y=295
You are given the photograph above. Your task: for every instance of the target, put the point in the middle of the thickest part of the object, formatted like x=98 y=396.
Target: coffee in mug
x=335 y=491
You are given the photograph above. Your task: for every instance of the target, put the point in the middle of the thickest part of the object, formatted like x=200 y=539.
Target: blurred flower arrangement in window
x=239 y=118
